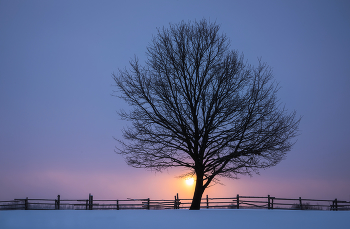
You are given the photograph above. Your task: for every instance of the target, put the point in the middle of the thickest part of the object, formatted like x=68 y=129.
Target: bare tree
x=196 y=104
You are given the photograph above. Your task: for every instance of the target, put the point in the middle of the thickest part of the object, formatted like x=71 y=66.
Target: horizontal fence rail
x=237 y=202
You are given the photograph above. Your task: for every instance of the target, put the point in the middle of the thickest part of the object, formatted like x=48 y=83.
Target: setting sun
x=189 y=181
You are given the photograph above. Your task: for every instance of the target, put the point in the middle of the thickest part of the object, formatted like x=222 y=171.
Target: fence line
x=238 y=202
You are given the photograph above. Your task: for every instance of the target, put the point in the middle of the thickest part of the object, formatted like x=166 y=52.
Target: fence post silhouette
x=91 y=200
x=177 y=202
x=237 y=201
x=57 y=202
x=207 y=202
x=300 y=204
x=26 y=205
x=268 y=202
x=336 y=204
x=117 y=204
x=272 y=198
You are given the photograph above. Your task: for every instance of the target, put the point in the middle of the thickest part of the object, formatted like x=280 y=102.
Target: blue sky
x=58 y=118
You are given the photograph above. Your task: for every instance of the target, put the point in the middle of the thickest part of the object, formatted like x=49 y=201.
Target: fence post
x=117 y=204
x=178 y=201
x=26 y=204
x=300 y=204
x=175 y=203
x=336 y=204
x=207 y=202
x=268 y=202
x=272 y=198
x=57 y=205
x=237 y=201
x=91 y=200
x=148 y=207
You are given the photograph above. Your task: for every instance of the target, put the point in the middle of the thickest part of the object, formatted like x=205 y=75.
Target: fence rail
x=237 y=202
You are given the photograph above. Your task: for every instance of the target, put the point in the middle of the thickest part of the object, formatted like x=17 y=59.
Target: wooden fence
x=237 y=202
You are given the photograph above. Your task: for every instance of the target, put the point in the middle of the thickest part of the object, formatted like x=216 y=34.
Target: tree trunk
x=198 y=192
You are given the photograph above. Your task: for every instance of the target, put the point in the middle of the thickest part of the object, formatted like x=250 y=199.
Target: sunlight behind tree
x=189 y=180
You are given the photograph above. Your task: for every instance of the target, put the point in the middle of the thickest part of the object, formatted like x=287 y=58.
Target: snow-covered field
x=179 y=219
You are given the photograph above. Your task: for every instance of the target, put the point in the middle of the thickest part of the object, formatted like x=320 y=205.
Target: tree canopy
x=195 y=103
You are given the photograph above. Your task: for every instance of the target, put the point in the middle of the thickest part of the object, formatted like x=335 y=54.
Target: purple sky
x=58 y=118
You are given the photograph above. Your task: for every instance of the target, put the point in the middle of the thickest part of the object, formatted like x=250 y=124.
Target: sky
x=58 y=118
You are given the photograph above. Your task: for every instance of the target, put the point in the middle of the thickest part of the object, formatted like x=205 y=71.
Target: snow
x=179 y=219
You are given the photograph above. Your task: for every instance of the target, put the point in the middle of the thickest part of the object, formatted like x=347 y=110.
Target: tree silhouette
x=196 y=104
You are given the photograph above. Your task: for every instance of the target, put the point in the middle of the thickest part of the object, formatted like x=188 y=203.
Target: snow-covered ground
x=179 y=219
